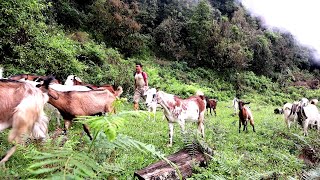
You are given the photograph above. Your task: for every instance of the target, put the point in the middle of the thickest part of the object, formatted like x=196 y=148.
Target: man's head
x=138 y=67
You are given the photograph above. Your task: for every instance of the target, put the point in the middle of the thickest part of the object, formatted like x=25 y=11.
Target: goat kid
x=245 y=115
x=21 y=108
x=235 y=105
x=211 y=105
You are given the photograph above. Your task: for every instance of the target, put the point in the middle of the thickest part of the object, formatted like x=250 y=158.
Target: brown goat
x=211 y=105
x=245 y=115
x=80 y=103
x=21 y=108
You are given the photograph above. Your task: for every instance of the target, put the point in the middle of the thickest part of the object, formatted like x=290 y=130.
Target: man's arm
x=146 y=81
x=145 y=78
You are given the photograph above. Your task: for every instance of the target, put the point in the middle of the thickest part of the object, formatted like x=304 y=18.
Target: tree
x=200 y=29
x=168 y=38
x=113 y=21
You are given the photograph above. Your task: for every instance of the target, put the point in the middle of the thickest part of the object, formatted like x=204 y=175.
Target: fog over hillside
x=297 y=17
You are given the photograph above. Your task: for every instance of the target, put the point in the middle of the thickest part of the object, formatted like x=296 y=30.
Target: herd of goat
x=24 y=96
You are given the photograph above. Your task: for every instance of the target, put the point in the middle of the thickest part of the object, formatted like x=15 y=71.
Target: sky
x=300 y=18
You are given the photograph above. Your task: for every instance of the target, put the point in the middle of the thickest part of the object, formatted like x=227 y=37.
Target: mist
x=300 y=18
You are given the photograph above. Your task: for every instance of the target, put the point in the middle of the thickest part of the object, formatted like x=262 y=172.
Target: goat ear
x=77 y=78
x=53 y=94
x=246 y=103
x=202 y=97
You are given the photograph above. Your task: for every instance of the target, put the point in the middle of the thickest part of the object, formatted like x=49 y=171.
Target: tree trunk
x=161 y=170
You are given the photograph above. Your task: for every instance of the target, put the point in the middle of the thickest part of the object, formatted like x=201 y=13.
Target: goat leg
x=67 y=124
x=252 y=124
x=9 y=154
x=170 y=134
x=86 y=129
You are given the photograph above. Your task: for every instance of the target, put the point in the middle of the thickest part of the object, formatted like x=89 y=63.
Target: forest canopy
x=40 y=36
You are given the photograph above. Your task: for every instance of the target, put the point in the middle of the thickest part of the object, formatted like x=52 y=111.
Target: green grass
x=270 y=152
x=271 y=149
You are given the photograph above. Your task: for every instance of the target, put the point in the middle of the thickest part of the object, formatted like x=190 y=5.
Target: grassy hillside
x=209 y=46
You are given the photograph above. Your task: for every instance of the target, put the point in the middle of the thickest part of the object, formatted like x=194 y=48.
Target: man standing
x=140 y=84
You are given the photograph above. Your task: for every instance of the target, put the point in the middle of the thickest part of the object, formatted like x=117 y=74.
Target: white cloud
x=300 y=18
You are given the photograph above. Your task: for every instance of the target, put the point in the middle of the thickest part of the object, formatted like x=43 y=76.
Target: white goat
x=151 y=102
x=310 y=116
x=290 y=113
x=304 y=102
x=235 y=105
x=64 y=88
x=73 y=80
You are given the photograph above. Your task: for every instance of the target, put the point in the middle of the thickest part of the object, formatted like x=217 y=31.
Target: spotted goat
x=178 y=110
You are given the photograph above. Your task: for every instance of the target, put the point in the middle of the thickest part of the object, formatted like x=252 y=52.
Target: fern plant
x=68 y=163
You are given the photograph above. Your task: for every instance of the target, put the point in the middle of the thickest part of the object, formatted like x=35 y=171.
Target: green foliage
x=168 y=39
x=68 y=159
x=65 y=163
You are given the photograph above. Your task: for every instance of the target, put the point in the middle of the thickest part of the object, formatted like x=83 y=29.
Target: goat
x=278 y=111
x=290 y=113
x=310 y=116
x=245 y=115
x=73 y=80
x=80 y=103
x=64 y=88
x=304 y=102
x=178 y=110
x=21 y=108
x=235 y=105
x=211 y=105
x=151 y=101
x=314 y=101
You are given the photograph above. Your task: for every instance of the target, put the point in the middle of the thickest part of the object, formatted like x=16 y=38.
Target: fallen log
x=161 y=170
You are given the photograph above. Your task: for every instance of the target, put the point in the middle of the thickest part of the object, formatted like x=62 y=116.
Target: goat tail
x=29 y=116
x=40 y=127
x=119 y=91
